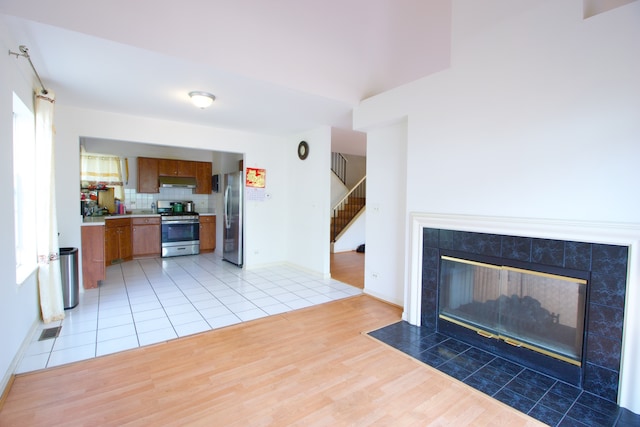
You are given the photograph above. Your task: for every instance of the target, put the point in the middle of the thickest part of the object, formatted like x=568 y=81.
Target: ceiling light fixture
x=201 y=99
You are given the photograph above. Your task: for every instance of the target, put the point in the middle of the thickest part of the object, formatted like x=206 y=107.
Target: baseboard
x=5 y=392
x=381 y=298
x=7 y=378
x=288 y=264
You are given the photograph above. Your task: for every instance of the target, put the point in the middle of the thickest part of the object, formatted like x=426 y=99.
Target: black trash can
x=69 y=273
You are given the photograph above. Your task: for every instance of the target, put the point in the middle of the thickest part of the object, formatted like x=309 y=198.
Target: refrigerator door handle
x=227 y=223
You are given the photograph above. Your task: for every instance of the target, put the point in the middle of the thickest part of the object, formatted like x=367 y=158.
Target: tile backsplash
x=136 y=201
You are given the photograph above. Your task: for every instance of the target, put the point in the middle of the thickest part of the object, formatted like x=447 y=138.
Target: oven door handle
x=187 y=221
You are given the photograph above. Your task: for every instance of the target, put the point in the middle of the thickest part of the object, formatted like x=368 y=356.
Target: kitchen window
x=24 y=190
x=104 y=169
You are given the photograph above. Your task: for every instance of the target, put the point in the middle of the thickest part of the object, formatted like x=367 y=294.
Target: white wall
x=532 y=120
x=19 y=309
x=544 y=116
x=538 y=117
x=356 y=169
x=386 y=215
x=308 y=199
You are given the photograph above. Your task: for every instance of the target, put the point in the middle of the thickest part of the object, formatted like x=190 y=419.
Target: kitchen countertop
x=99 y=220
x=93 y=220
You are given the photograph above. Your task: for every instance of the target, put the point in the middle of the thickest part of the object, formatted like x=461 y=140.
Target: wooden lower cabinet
x=207 y=233
x=93 y=270
x=117 y=240
x=145 y=233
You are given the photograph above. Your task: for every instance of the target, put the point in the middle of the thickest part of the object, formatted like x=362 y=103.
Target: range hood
x=177 y=182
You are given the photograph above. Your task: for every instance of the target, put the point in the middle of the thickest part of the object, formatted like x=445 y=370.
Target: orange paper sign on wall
x=255 y=177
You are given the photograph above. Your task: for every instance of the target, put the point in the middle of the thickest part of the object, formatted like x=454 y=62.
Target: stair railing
x=339 y=166
x=348 y=207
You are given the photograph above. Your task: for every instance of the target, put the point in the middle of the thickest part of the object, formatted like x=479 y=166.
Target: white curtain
x=102 y=168
x=49 y=278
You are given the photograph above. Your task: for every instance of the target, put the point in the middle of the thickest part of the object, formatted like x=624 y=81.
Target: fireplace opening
x=529 y=313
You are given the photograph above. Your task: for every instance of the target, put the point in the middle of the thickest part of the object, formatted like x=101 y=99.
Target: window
x=102 y=169
x=24 y=189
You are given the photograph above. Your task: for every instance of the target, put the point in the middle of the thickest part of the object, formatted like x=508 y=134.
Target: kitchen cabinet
x=93 y=269
x=207 y=233
x=203 y=178
x=182 y=168
x=145 y=233
x=117 y=240
x=186 y=168
x=150 y=169
x=147 y=175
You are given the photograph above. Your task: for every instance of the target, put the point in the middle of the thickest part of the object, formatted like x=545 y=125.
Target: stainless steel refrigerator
x=233 y=185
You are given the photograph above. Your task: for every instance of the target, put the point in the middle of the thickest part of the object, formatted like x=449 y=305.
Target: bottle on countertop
x=153 y=207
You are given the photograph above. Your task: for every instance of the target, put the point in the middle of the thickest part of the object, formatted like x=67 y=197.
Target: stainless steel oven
x=180 y=231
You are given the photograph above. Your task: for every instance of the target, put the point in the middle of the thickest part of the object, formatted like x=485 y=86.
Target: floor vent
x=50 y=333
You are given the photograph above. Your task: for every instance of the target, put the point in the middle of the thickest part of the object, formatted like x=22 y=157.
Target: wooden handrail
x=344 y=211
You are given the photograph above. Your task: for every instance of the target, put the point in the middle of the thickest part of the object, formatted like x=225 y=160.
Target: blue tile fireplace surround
x=591 y=402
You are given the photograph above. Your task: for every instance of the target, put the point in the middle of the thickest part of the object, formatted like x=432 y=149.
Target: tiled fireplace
x=605 y=307
x=503 y=295
x=604 y=253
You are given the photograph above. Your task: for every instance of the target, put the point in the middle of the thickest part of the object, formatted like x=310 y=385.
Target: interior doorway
x=348 y=267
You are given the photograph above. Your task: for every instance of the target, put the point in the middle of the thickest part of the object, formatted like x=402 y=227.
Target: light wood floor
x=310 y=367
x=348 y=267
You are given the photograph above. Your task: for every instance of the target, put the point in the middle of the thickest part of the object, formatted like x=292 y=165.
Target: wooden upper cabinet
x=186 y=168
x=168 y=167
x=147 y=175
x=203 y=178
x=149 y=169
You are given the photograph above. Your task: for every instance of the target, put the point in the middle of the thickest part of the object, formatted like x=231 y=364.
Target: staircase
x=348 y=208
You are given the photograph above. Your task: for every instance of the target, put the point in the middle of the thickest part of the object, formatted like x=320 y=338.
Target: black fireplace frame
x=608 y=268
x=548 y=365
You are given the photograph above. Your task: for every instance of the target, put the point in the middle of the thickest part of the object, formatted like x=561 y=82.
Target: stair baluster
x=348 y=208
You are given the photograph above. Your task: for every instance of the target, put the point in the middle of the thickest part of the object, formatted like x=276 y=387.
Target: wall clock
x=303 y=150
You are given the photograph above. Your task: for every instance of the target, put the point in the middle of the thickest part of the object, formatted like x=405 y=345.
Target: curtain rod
x=25 y=53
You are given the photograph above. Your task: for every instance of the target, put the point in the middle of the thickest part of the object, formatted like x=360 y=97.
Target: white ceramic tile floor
x=144 y=302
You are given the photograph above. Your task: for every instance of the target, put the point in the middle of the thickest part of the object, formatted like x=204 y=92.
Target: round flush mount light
x=201 y=99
